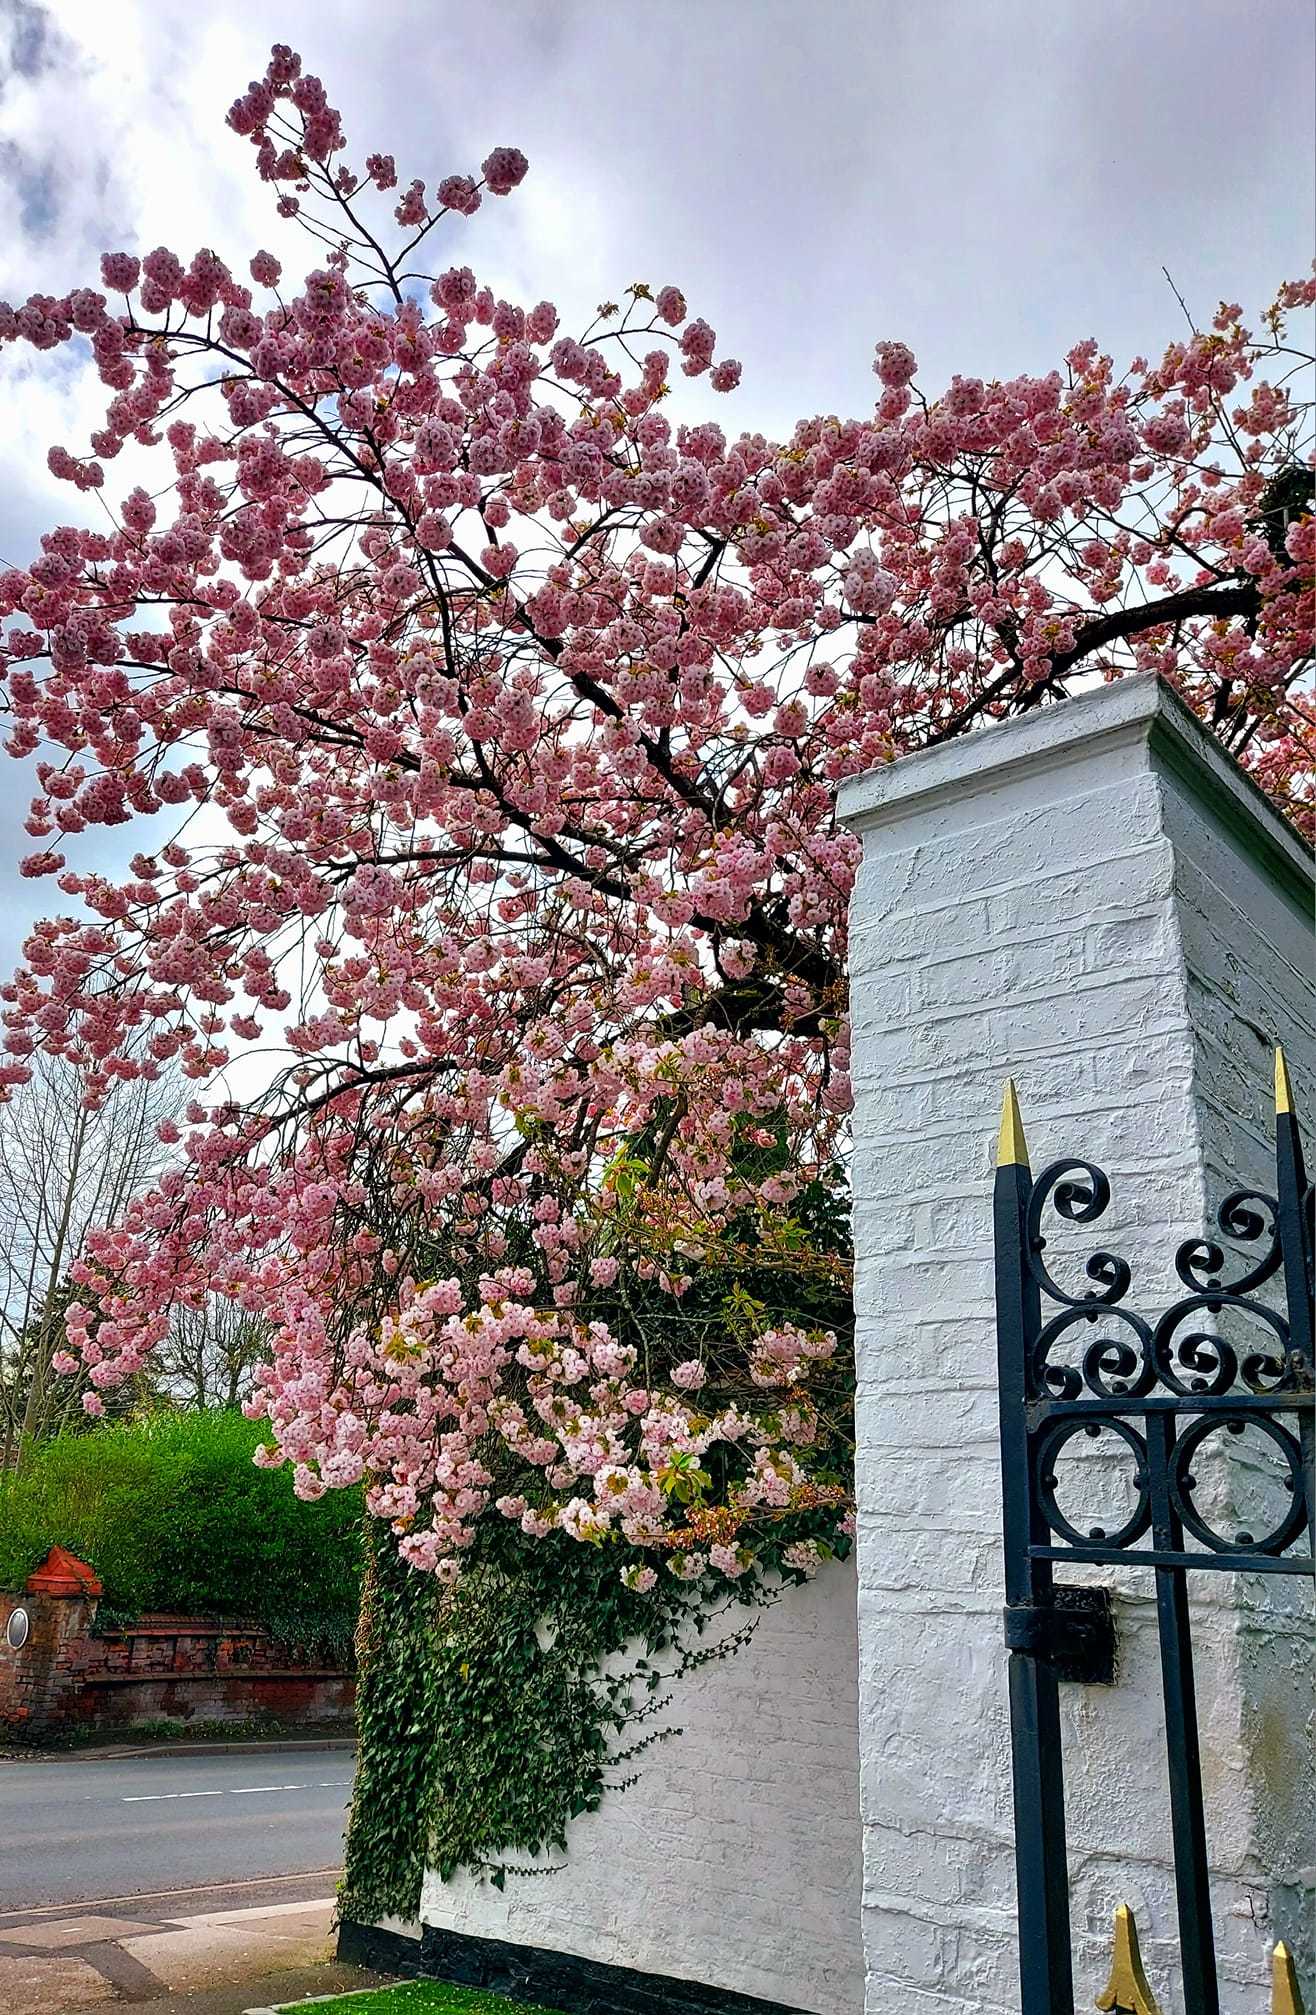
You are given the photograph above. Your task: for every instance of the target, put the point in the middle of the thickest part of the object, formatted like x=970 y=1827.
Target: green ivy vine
x=400 y=1731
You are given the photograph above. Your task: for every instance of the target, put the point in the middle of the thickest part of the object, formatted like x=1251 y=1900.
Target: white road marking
x=230 y=1791
x=155 y=1797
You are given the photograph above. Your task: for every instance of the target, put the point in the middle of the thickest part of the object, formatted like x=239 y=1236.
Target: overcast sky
x=988 y=180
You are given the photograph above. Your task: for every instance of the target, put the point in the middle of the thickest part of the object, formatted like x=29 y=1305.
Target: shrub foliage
x=174 y=1516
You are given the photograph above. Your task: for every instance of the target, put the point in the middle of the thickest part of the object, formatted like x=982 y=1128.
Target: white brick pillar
x=1095 y=901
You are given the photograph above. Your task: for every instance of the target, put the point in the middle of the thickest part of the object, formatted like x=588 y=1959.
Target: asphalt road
x=83 y=1829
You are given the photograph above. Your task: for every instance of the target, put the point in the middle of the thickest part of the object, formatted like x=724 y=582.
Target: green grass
x=419 y=1997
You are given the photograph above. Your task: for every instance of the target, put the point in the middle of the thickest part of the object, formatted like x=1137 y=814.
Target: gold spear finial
x=1011 y=1147
x=1127 y=1991
x=1283 y=1089
x=1285 y=1995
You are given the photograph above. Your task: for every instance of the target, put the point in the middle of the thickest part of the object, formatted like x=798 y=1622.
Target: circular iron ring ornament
x=1049 y=1448
x=1182 y=1483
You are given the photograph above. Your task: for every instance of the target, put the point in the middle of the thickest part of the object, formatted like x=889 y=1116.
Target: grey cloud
x=32 y=40
x=31 y=190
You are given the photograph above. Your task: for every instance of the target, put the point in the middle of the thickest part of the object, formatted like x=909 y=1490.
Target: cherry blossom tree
x=503 y=720
x=64 y=1170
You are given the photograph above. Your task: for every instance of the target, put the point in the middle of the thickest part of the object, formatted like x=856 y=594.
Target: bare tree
x=210 y=1355
x=63 y=1171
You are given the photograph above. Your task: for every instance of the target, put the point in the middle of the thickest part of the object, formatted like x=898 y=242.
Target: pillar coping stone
x=62 y=1573
x=1136 y=710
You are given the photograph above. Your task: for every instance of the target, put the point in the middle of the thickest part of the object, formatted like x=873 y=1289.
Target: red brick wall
x=179 y=1668
x=312 y=1697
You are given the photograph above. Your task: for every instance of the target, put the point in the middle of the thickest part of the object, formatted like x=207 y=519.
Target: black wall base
x=530 y=1973
x=382 y=1951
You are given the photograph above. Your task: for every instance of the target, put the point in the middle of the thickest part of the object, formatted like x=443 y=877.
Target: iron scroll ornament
x=1144 y=1356
x=1099 y=1367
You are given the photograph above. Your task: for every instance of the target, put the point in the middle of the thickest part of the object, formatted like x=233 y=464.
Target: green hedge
x=173 y=1515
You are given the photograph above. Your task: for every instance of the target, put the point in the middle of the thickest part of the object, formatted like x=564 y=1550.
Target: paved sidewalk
x=169 y=1956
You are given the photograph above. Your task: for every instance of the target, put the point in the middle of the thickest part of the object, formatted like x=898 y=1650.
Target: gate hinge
x=1074 y=1634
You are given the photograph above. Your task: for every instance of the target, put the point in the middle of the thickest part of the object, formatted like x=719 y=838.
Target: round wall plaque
x=16 y=1629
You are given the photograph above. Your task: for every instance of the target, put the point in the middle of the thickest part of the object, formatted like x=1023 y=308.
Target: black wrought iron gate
x=1165 y=1387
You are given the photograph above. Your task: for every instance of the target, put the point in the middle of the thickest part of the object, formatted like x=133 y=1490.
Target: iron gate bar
x=1293 y=1216
x=1046 y=1966
x=1295 y=1219
x=1041 y=1410
x=1163 y=1388
x=1111 y=1556
x=1192 y=1879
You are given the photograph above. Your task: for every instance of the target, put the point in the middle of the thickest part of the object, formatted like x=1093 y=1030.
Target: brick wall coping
x=184 y=1626
x=246 y=1675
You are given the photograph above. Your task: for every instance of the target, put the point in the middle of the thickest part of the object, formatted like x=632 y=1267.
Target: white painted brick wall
x=1089 y=901
x=735 y=1859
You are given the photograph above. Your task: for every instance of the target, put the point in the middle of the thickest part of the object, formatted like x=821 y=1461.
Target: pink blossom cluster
x=451 y=1409
x=523 y=706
